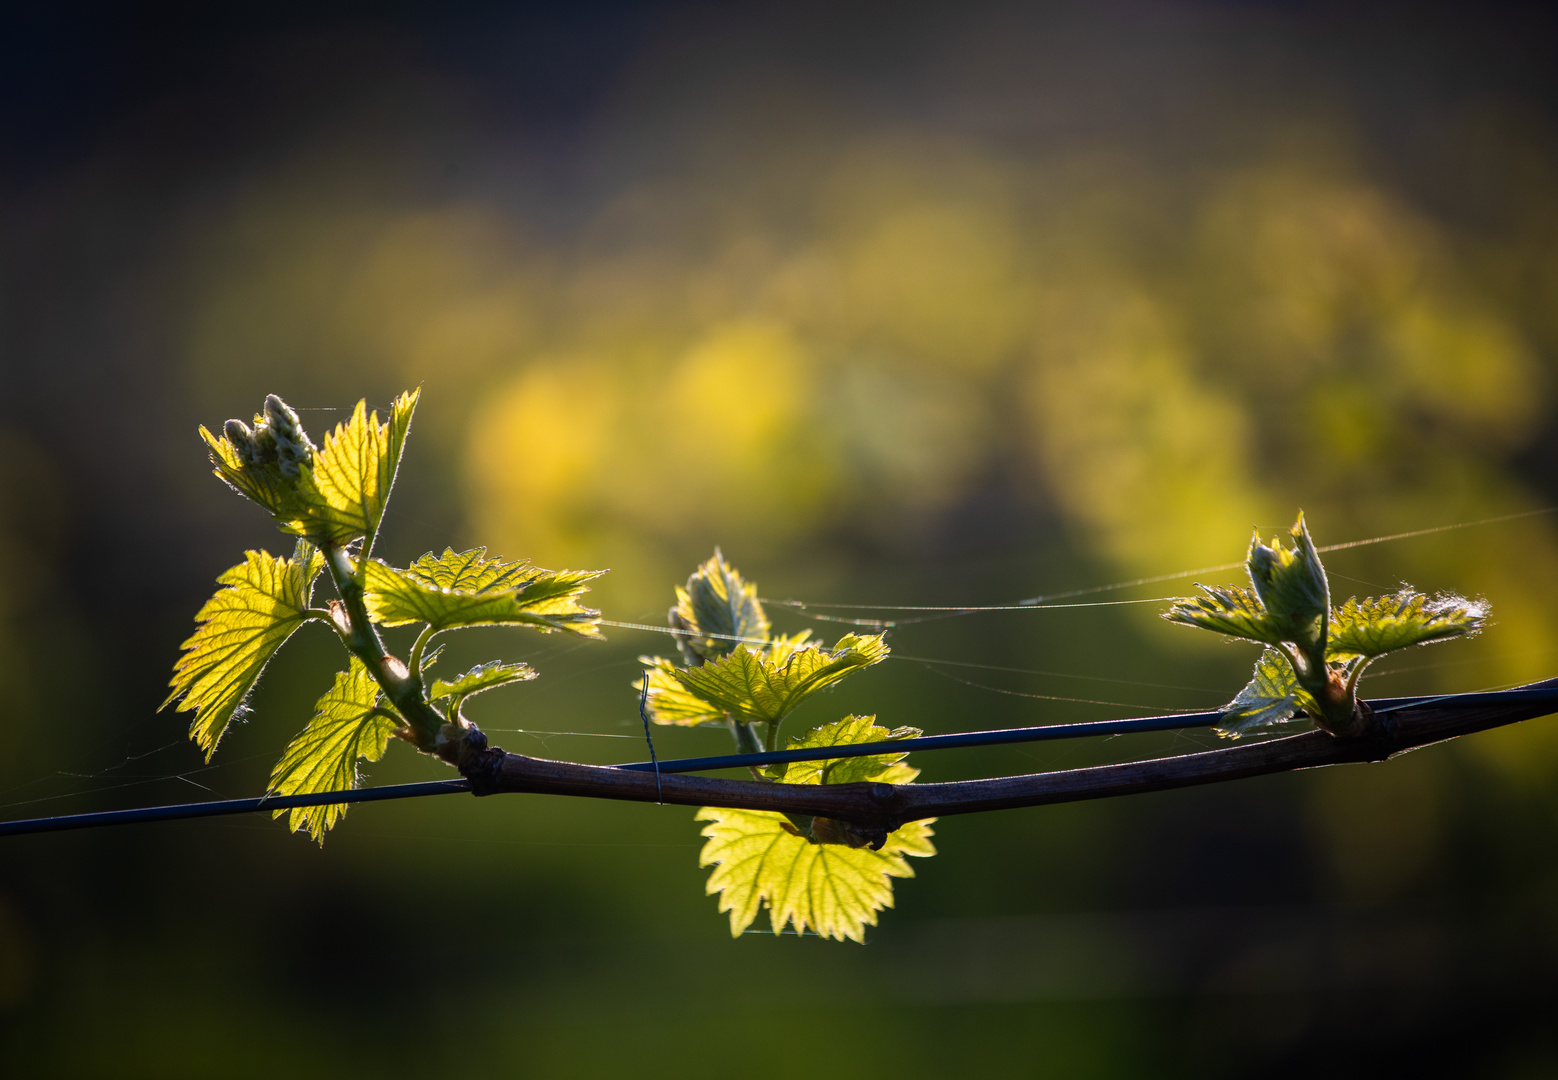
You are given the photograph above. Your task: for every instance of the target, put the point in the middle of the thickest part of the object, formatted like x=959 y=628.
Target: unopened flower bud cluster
x=277 y=437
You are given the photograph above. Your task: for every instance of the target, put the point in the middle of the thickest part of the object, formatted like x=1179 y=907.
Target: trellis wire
x=1004 y=736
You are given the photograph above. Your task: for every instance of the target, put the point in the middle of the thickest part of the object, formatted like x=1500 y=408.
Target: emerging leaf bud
x=264 y=444
x=293 y=447
x=1291 y=585
x=242 y=438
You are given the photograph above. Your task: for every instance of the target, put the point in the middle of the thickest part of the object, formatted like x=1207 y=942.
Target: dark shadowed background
x=894 y=303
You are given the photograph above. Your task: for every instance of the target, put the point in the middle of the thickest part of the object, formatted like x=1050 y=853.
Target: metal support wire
x=1524 y=697
x=221 y=807
x=999 y=737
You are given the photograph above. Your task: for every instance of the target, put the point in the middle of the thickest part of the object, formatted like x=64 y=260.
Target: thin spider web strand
x=1049 y=674
x=1053 y=697
x=1039 y=601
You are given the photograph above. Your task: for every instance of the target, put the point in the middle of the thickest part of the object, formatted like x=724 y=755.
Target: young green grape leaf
x=766 y=686
x=355 y=468
x=480 y=678
x=1272 y=696
x=669 y=702
x=1291 y=585
x=887 y=768
x=1234 y=612
x=466 y=589
x=1381 y=624
x=347 y=725
x=833 y=890
x=263 y=601
x=472 y=571
x=716 y=611
x=836 y=891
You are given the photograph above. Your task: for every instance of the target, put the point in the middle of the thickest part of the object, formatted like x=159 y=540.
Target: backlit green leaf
x=887 y=768
x=767 y=685
x=471 y=571
x=467 y=589
x=760 y=858
x=264 y=600
x=356 y=465
x=1382 y=624
x=1231 y=611
x=672 y=703
x=480 y=678
x=323 y=757
x=834 y=891
x=1272 y=697
x=717 y=610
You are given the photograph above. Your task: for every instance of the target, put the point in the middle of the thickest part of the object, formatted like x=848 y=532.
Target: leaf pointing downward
x=1272 y=697
x=323 y=756
x=836 y=891
x=264 y=601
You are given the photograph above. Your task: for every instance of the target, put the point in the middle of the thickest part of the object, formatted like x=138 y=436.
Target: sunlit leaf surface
x=1382 y=624
x=670 y=702
x=323 y=757
x=291 y=501
x=467 y=589
x=264 y=600
x=480 y=678
x=717 y=610
x=1271 y=697
x=355 y=468
x=767 y=685
x=835 y=891
x=847 y=732
x=1232 y=611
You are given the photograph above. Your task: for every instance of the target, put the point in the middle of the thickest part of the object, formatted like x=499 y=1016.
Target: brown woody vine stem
x=876 y=809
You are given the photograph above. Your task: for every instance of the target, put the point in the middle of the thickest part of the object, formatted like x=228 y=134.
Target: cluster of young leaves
x=333 y=499
x=812 y=873
x=1315 y=654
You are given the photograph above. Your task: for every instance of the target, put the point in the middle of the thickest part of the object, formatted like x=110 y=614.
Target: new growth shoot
x=817 y=872
x=332 y=498
x=1315 y=654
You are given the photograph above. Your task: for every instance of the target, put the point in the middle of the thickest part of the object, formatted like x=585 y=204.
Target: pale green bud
x=293 y=447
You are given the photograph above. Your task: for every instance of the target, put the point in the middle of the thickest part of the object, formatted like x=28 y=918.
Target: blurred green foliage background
x=896 y=305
